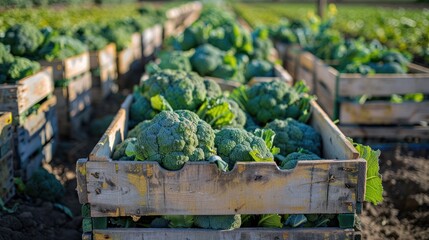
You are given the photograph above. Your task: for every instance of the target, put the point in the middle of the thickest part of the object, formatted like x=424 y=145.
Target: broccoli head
x=61 y=47
x=134 y=132
x=206 y=59
x=236 y=144
x=259 y=68
x=181 y=89
x=292 y=135
x=292 y=159
x=175 y=60
x=140 y=109
x=119 y=151
x=218 y=222
x=23 y=39
x=240 y=116
x=20 y=68
x=173 y=138
x=44 y=185
x=212 y=88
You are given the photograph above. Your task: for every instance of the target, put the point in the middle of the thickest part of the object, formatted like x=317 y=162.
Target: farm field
x=402 y=28
x=189 y=120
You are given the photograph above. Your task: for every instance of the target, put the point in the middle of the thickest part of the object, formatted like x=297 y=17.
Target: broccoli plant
x=292 y=159
x=23 y=39
x=44 y=185
x=218 y=222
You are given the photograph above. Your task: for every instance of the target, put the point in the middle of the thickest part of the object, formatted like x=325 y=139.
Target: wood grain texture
x=384 y=112
x=6 y=133
x=124 y=188
x=18 y=98
x=136 y=44
x=124 y=60
x=388 y=132
x=69 y=67
x=236 y=234
x=325 y=99
x=103 y=57
x=7 y=186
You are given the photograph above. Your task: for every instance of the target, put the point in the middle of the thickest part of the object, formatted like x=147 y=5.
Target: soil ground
x=404 y=214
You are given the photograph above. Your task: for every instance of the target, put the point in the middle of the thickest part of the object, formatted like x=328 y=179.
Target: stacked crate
x=73 y=83
x=7 y=189
x=104 y=72
x=151 y=39
x=179 y=18
x=35 y=124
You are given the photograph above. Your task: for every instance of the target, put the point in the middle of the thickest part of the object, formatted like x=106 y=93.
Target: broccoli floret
x=115 y=32
x=44 y=185
x=23 y=39
x=266 y=101
x=262 y=44
x=134 y=132
x=181 y=89
x=176 y=60
x=5 y=56
x=174 y=138
x=292 y=159
x=119 y=152
x=236 y=144
x=212 y=88
x=206 y=59
x=240 y=116
x=259 y=68
x=223 y=222
x=20 y=68
x=140 y=109
x=61 y=47
x=90 y=34
x=292 y=135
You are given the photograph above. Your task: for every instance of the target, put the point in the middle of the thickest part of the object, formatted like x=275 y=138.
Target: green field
x=406 y=29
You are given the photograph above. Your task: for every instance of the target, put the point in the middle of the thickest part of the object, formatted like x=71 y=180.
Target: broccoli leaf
x=374 y=187
x=295 y=220
x=256 y=155
x=180 y=221
x=268 y=136
x=216 y=112
x=270 y=221
x=158 y=102
x=239 y=95
x=221 y=164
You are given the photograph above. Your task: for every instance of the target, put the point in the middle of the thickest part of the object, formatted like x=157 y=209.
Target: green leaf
x=180 y=221
x=239 y=95
x=374 y=187
x=295 y=220
x=64 y=209
x=221 y=164
x=159 y=103
x=270 y=221
x=217 y=112
x=256 y=155
x=268 y=136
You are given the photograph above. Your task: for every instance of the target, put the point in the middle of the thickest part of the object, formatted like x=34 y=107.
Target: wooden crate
x=69 y=67
x=306 y=70
x=181 y=17
x=133 y=188
x=74 y=100
x=104 y=72
x=335 y=92
x=34 y=138
x=19 y=97
x=136 y=45
x=151 y=39
x=289 y=54
x=7 y=187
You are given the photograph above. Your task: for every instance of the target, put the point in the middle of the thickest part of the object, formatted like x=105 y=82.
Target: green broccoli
x=175 y=60
x=23 y=39
x=181 y=89
x=173 y=138
x=134 y=132
x=218 y=222
x=206 y=59
x=259 y=68
x=292 y=135
x=140 y=109
x=236 y=144
x=114 y=32
x=221 y=112
x=20 y=68
x=90 y=34
x=212 y=88
x=262 y=44
x=5 y=56
x=292 y=159
x=61 y=47
x=119 y=152
x=44 y=185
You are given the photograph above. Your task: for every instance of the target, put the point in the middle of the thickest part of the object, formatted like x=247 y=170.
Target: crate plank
x=6 y=133
x=18 y=98
x=387 y=132
x=384 y=112
x=124 y=60
x=45 y=155
x=136 y=44
x=103 y=57
x=69 y=67
x=7 y=187
x=236 y=234
x=325 y=99
x=279 y=73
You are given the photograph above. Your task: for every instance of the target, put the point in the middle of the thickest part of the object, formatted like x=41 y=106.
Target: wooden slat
x=236 y=234
x=79 y=94
x=386 y=132
x=18 y=98
x=136 y=43
x=69 y=67
x=124 y=188
x=326 y=76
x=384 y=112
x=114 y=134
x=6 y=133
x=325 y=99
x=7 y=187
x=306 y=70
x=225 y=85
x=125 y=59
x=103 y=57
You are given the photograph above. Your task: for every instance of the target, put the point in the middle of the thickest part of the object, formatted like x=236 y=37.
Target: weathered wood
x=384 y=112
x=289 y=53
x=181 y=17
x=124 y=188
x=388 y=132
x=105 y=84
x=236 y=234
x=5 y=133
x=325 y=99
x=69 y=67
x=136 y=44
x=306 y=70
x=18 y=98
x=151 y=40
x=125 y=59
x=7 y=187
x=103 y=57
x=279 y=73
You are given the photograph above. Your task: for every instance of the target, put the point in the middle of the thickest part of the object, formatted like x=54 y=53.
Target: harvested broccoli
x=140 y=109
x=292 y=135
x=134 y=132
x=259 y=68
x=292 y=159
x=212 y=88
x=218 y=222
x=119 y=152
x=113 y=32
x=23 y=39
x=235 y=144
x=181 y=89
x=221 y=112
x=262 y=44
x=20 y=68
x=44 y=185
x=90 y=34
x=5 y=56
x=61 y=47
x=175 y=60
x=173 y=138
x=206 y=59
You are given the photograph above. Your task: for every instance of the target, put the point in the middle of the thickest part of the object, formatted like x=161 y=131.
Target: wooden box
x=69 y=67
x=7 y=187
x=337 y=92
x=135 y=188
x=74 y=104
x=18 y=98
x=104 y=72
x=35 y=138
x=181 y=17
x=151 y=41
x=306 y=70
x=289 y=54
x=136 y=45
